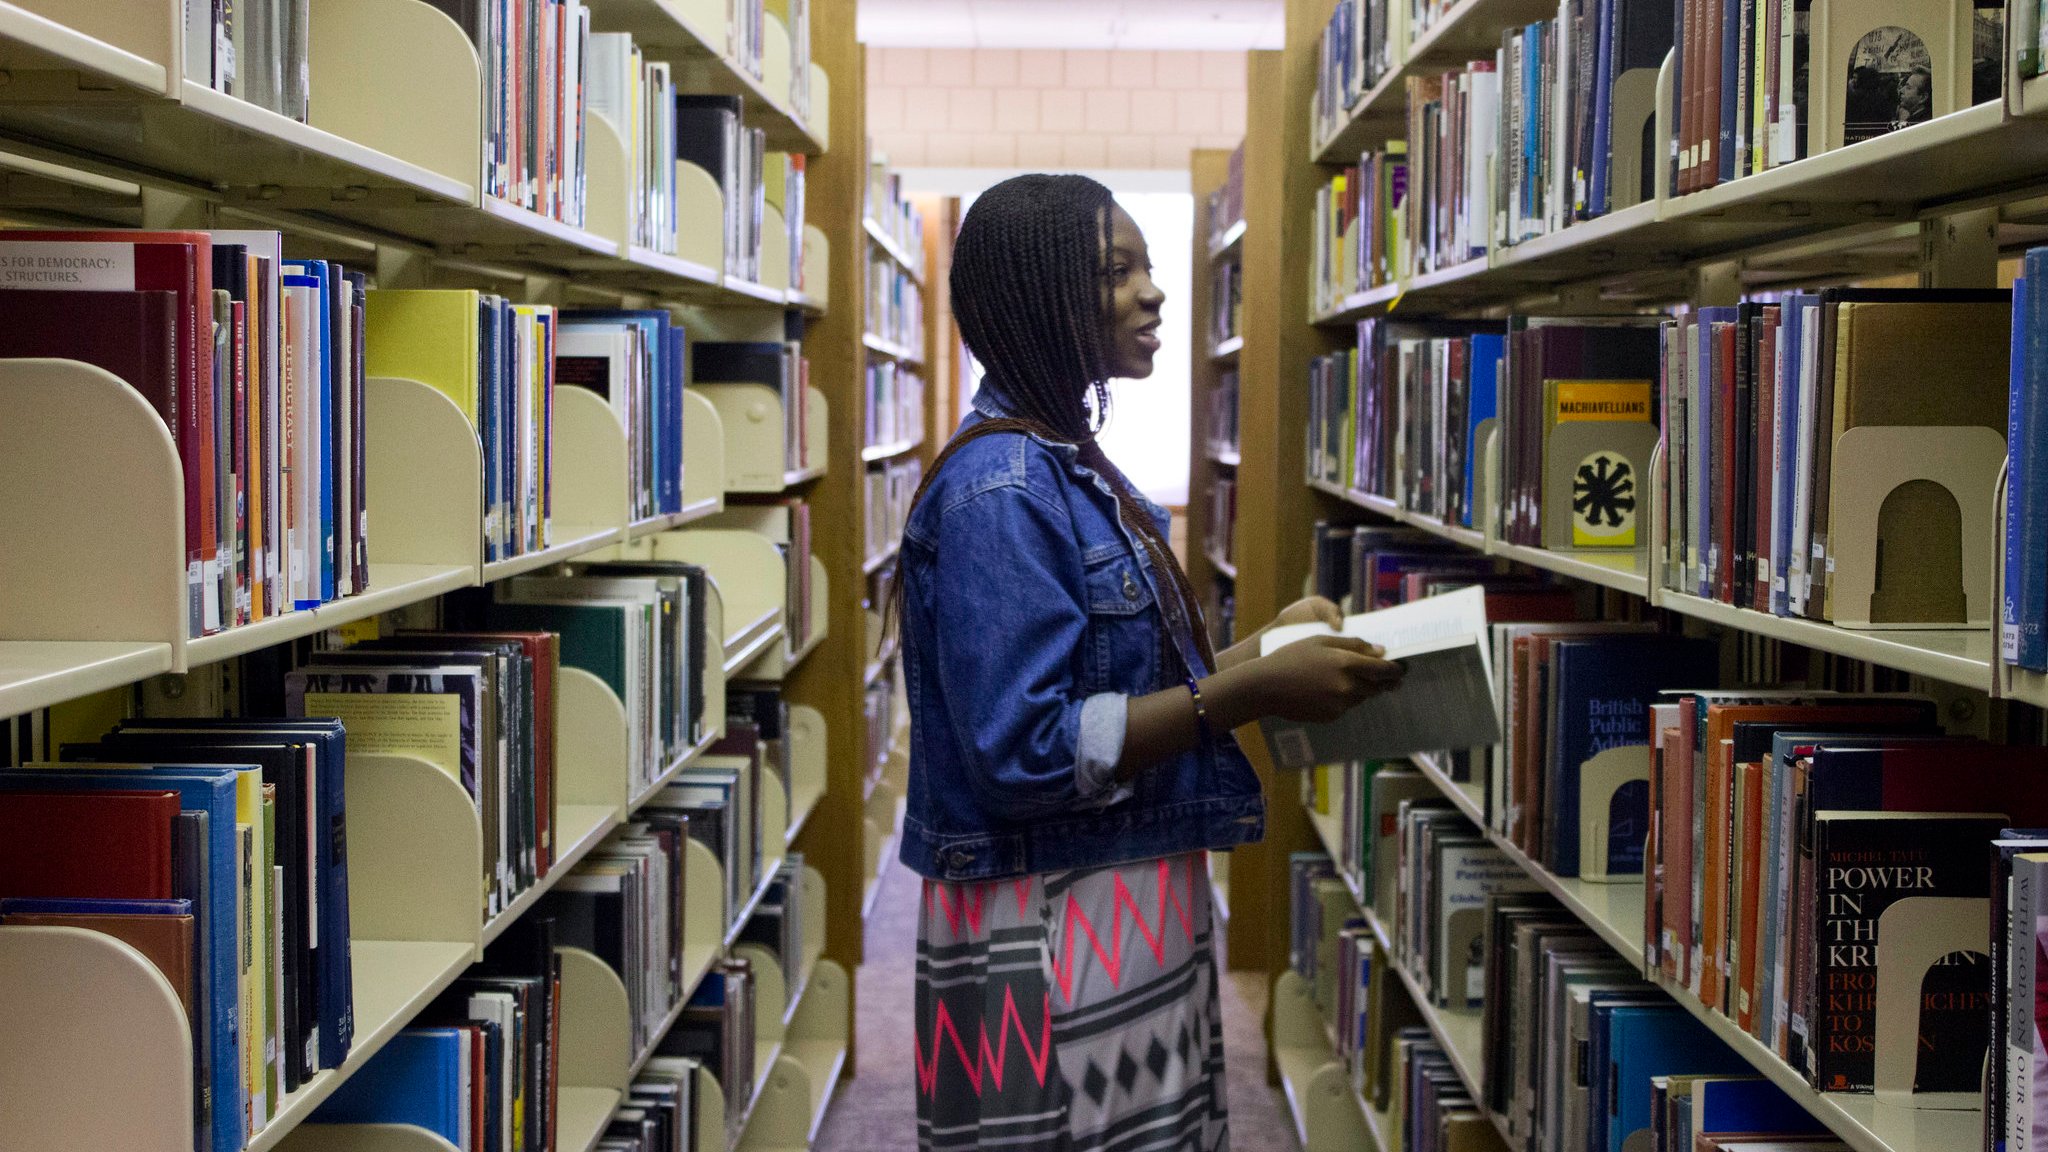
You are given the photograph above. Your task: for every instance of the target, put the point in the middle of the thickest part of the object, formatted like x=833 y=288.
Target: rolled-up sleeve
x=1011 y=621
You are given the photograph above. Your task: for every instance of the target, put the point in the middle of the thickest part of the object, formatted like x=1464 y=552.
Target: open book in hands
x=1444 y=698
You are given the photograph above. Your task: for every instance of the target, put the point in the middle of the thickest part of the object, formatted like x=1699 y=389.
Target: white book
x=1443 y=700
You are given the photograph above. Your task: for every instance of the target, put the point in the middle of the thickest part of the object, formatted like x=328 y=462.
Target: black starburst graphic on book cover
x=1604 y=494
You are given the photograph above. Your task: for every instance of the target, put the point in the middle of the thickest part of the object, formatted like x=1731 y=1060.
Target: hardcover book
x=1867 y=863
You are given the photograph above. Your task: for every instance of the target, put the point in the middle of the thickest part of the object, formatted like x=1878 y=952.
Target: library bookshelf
x=1893 y=206
x=105 y=128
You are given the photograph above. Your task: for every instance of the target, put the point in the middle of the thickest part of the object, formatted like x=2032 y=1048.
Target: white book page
x=1428 y=625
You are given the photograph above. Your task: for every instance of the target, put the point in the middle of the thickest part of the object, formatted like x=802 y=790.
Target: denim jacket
x=1030 y=618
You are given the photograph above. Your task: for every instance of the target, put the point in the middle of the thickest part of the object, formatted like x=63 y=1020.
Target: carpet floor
x=876 y=1110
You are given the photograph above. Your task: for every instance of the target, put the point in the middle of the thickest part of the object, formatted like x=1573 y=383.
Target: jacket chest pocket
x=1123 y=627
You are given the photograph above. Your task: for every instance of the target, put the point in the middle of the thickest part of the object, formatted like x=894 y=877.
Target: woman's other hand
x=1320 y=678
x=1310 y=610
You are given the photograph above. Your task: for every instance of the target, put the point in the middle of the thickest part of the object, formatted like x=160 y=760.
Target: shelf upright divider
x=1276 y=511
x=830 y=680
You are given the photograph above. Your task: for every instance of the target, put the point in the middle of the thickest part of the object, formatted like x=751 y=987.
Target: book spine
x=2025 y=635
x=2016 y=1045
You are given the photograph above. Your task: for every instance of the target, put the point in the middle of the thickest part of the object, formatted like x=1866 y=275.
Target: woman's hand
x=1320 y=678
x=1310 y=610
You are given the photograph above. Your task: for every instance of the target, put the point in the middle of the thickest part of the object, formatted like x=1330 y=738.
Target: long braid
x=1032 y=296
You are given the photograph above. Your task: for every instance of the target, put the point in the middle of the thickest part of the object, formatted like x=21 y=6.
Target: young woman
x=1071 y=759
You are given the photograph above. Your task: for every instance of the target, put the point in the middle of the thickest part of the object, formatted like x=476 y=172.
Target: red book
x=180 y=263
x=1764 y=454
x=87 y=845
x=134 y=335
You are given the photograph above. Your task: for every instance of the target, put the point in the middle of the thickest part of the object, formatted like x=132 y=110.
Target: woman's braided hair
x=1032 y=294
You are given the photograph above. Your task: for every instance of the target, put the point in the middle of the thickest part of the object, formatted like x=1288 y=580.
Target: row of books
x=1454 y=123
x=480 y=706
x=786 y=175
x=639 y=626
x=1353 y=51
x=711 y=133
x=899 y=217
x=1797 y=840
x=895 y=403
x=1222 y=523
x=1781 y=415
x=1569 y=692
x=890 y=485
x=1224 y=207
x=895 y=303
x=497 y=361
x=660 y=1111
x=637 y=98
x=1580 y=1052
x=1578 y=97
x=1577 y=1051
x=1403 y=386
x=1226 y=301
x=640 y=362
x=255 y=364
x=1405 y=414
x=624 y=903
x=258 y=365
x=534 y=55
x=256 y=51
x=480 y=1066
x=1223 y=402
x=716 y=1031
x=196 y=844
x=1567 y=104
x=1360 y=216
x=882 y=710
x=1747 y=99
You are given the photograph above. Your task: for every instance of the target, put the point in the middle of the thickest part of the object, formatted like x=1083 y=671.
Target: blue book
x=1602 y=689
x=1643 y=1042
x=487 y=405
x=319 y=275
x=1749 y=1105
x=2022 y=636
x=416 y=1078
x=1533 y=96
x=1605 y=48
x=1595 y=1055
x=217 y=997
x=1483 y=403
x=670 y=410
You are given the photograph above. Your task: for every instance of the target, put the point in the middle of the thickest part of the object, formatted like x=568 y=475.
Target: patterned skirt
x=1071 y=1012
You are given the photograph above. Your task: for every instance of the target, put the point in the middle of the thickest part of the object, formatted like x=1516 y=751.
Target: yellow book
x=774 y=179
x=255 y=912
x=1593 y=468
x=428 y=335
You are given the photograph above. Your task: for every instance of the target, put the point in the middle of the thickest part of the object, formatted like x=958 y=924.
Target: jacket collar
x=990 y=401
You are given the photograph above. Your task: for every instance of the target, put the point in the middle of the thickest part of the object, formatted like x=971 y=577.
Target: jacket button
x=958 y=858
x=1130 y=587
